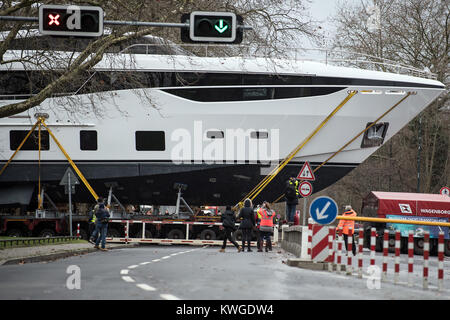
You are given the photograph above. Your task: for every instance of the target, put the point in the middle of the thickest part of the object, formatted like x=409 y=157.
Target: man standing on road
x=348 y=227
x=102 y=215
x=291 y=196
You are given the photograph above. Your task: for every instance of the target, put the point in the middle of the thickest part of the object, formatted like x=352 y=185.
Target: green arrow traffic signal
x=221 y=28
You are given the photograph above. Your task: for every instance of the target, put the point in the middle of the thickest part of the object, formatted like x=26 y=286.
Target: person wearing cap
x=348 y=227
x=229 y=226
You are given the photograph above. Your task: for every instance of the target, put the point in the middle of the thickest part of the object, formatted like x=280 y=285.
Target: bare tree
x=274 y=23
x=407 y=32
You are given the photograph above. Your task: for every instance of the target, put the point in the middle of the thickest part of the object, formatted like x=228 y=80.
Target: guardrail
x=28 y=241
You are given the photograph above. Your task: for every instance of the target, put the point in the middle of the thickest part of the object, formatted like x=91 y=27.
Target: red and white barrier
x=349 y=269
x=360 y=252
x=441 y=260
x=310 y=238
x=410 y=257
x=397 y=256
x=320 y=245
x=339 y=251
x=373 y=240
x=426 y=254
x=385 y=254
x=78 y=231
x=331 y=237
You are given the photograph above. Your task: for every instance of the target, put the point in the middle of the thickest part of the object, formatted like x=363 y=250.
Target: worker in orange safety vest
x=348 y=227
x=265 y=221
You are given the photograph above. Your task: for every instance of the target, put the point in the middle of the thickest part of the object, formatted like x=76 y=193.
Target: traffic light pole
x=120 y=23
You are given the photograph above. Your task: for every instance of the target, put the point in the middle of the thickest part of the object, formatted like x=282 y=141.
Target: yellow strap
x=39 y=168
x=354 y=138
x=255 y=192
x=86 y=183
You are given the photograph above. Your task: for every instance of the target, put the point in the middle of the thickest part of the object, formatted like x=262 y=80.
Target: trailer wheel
x=17 y=233
x=148 y=234
x=208 y=234
x=47 y=233
x=238 y=235
x=418 y=246
x=112 y=233
x=175 y=234
x=447 y=247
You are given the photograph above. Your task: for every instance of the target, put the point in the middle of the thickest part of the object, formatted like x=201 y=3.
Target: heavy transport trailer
x=207 y=228
x=407 y=206
x=177 y=232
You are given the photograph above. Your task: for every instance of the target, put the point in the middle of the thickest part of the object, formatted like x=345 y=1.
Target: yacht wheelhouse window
x=150 y=141
x=374 y=137
x=259 y=135
x=88 y=140
x=32 y=143
x=214 y=134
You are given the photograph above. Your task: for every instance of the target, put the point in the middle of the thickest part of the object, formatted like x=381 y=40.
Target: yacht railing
x=322 y=55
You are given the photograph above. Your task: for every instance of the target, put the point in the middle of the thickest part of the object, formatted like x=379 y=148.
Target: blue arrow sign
x=323 y=210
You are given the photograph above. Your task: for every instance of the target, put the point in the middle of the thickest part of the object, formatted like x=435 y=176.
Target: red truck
x=407 y=206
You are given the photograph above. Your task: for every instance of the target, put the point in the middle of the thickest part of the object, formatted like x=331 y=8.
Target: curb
x=61 y=255
x=307 y=264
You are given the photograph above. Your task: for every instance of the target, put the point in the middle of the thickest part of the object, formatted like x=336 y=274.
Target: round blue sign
x=323 y=210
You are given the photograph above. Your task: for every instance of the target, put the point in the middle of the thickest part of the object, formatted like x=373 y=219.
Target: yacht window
x=259 y=135
x=214 y=134
x=88 y=140
x=374 y=137
x=32 y=143
x=150 y=141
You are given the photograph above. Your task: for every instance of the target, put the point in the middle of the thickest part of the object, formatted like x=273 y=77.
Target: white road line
x=144 y=263
x=156 y=260
x=168 y=297
x=128 y=279
x=133 y=266
x=124 y=271
x=166 y=257
x=145 y=287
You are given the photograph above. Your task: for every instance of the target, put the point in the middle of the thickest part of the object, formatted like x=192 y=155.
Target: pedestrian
x=247 y=224
x=229 y=226
x=101 y=227
x=257 y=233
x=92 y=221
x=266 y=221
x=291 y=194
x=348 y=227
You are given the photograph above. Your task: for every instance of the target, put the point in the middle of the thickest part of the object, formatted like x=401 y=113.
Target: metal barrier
x=127 y=239
x=28 y=241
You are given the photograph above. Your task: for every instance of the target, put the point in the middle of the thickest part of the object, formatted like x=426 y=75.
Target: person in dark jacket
x=101 y=227
x=247 y=224
x=229 y=226
x=291 y=196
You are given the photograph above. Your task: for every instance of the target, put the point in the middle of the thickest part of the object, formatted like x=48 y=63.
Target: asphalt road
x=198 y=273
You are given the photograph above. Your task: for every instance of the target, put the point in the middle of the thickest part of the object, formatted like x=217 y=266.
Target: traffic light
x=216 y=27
x=71 y=20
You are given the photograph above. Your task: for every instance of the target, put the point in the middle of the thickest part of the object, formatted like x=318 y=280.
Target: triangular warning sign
x=65 y=178
x=306 y=173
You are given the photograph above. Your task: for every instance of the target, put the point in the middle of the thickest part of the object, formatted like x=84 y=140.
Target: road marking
x=166 y=257
x=156 y=260
x=133 y=266
x=168 y=297
x=124 y=271
x=128 y=279
x=144 y=263
x=145 y=287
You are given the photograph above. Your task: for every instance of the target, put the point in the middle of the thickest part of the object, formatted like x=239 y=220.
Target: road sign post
x=69 y=180
x=323 y=210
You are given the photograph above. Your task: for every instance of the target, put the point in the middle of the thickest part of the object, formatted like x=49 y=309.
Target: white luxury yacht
x=146 y=119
